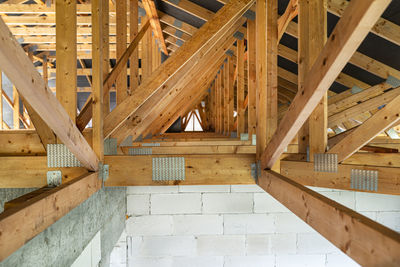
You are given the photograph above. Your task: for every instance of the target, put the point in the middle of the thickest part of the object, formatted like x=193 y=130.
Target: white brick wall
x=230 y=226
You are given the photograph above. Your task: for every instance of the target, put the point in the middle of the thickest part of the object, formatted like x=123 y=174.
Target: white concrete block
x=118 y=264
x=340 y=259
x=300 y=260
x=258 y=244
x=197 y=224
x=138 y=204
x=377 y=202
x=133 y=245
x=246 y=188
x=205 y=188
x=321 y=189
x=149 y=225
x=389 y=219
x=162 y=246
x=247 y=261
x=235 y=224
x=227 y=203
x=85 y=258
x=96 y=249
x=346 y=198
x=264 y=203
x=221 y=245
x=118 y=256
x=183 y=203
x=198 y=261
x=152 y=189
x=150 y=262
x=283 y=243
x=271 y=244
x=290 y=223
x=314 y=243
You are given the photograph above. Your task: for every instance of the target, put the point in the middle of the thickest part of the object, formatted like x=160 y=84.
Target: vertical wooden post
x=134 y=59
x=226 y=97
x=267 y=71
x=217 y=103
x=15 y=108
x=146 y=55
x=240 y=87
x=221 y=100
x=66 y=56
x=252 y=76
x=105 y=22
x=121 y=82
x=211 y=103
x=231 y=95
x=1 y=100
x=97 y=77
x=45 y=71
x=312 y=38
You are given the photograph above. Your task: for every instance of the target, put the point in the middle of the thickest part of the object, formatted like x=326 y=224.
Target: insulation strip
x=169 y=169
x=178 y=23
x=238 y=35
x=393 y=81
x=250 y=14
x=356 y=89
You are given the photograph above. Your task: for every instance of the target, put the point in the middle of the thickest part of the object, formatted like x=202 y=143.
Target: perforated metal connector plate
x=59 y=156
x=364 y=180
x=151 y=144
x=244 y=137
x=110 y=146
x=325 y=162
x=168 y=169
x=133 y=151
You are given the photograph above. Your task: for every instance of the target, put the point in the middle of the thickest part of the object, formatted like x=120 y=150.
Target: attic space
x=218 y=133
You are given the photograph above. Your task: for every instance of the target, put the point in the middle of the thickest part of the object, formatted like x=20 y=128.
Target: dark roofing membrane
x=373 y=45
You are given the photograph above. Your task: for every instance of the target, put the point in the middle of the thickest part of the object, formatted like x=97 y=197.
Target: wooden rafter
x=42 y=210
x=32 y=87
x=172 y=69
x=151 y=12
x=290 y=13
x=351 y=29
x=383 y=119
x=366 y=241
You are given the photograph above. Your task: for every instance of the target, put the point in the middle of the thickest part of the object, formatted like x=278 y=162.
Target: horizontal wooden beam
x=364 y=240
x=20 y=70
x=199 y=169
x=303 y=173
x=21 y=223
x=28 y=172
